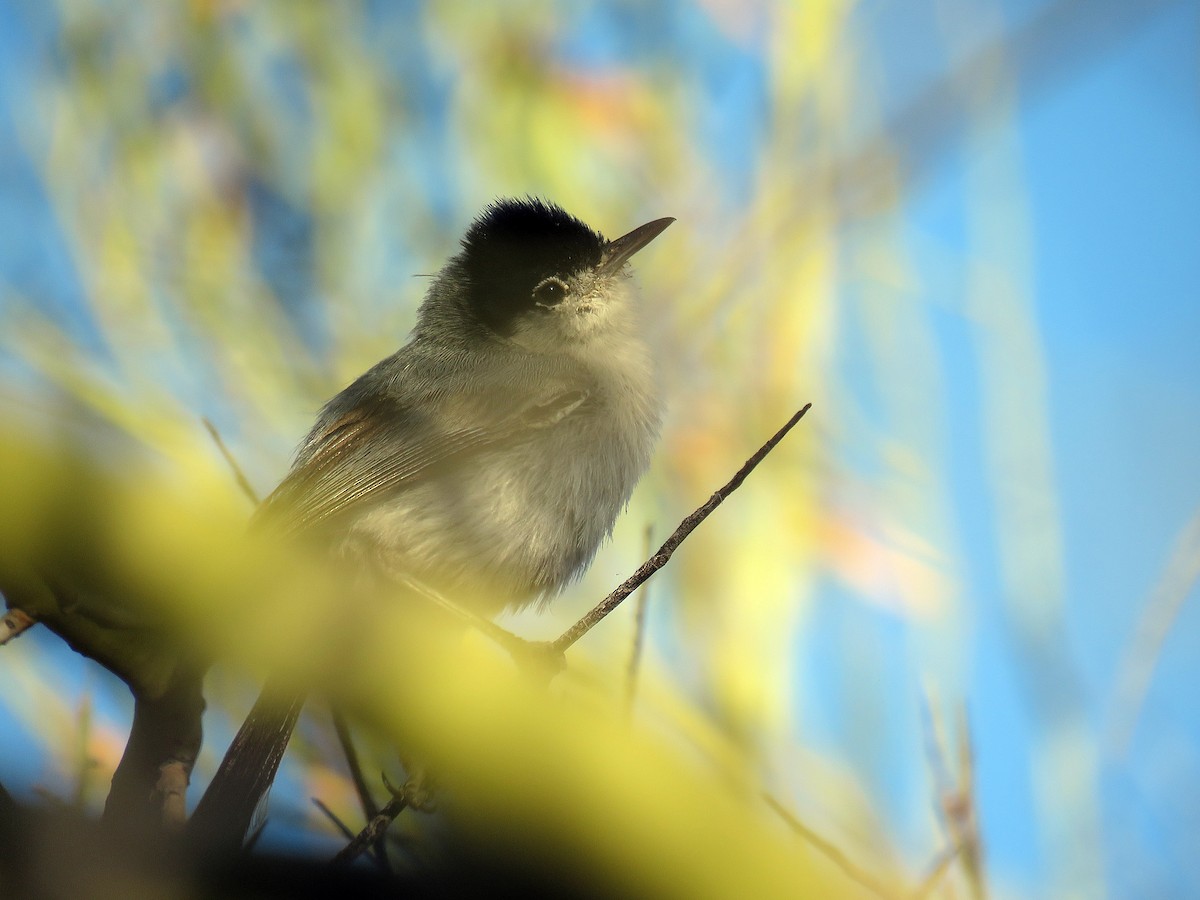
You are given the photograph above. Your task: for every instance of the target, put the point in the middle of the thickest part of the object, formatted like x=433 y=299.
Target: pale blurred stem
x=149 y=787
x=239 y=476
x=1176 y=584
x=639 y=637
x=14 y=623
x=828 y=850
x=663 y=556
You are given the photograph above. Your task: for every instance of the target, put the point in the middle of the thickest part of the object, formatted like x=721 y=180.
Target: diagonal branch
x=373 y=831
x=342 y=728
x=663 y=556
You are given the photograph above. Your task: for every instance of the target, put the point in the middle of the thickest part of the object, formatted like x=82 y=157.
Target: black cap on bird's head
x=518 y=255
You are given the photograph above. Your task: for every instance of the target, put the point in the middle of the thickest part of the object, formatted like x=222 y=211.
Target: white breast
x=519 y=522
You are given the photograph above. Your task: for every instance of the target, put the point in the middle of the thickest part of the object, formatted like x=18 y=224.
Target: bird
x=486 y=460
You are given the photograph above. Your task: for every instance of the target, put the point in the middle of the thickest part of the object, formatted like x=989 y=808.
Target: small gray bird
x=487 y=459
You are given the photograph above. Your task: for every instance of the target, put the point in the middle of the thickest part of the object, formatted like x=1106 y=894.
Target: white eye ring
x=553 y=289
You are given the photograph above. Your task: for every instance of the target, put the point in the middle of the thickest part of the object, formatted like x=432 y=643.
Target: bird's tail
x=225 y=811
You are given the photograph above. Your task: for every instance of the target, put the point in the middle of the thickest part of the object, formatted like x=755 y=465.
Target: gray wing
x=369 y=444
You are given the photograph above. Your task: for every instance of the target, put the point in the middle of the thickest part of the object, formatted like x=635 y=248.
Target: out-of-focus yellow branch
x=527 y=772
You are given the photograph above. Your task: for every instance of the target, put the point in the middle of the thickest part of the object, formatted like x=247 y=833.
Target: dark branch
x=372 y=832
x=149 y=787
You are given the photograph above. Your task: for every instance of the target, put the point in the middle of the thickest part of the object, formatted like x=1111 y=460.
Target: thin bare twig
x=369 y=807
x=332 y=817
x=663 y=556
x=14 y=623
x=239 y=476
x=828 y=850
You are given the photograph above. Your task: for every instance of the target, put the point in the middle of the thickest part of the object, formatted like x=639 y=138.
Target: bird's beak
x=617 y=253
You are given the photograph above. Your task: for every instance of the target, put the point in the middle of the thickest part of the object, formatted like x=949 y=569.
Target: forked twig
x=940 y=866
x=372 y=832
x=954 y=802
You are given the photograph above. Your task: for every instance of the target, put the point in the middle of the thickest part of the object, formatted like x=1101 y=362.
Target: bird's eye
x=550 y=292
